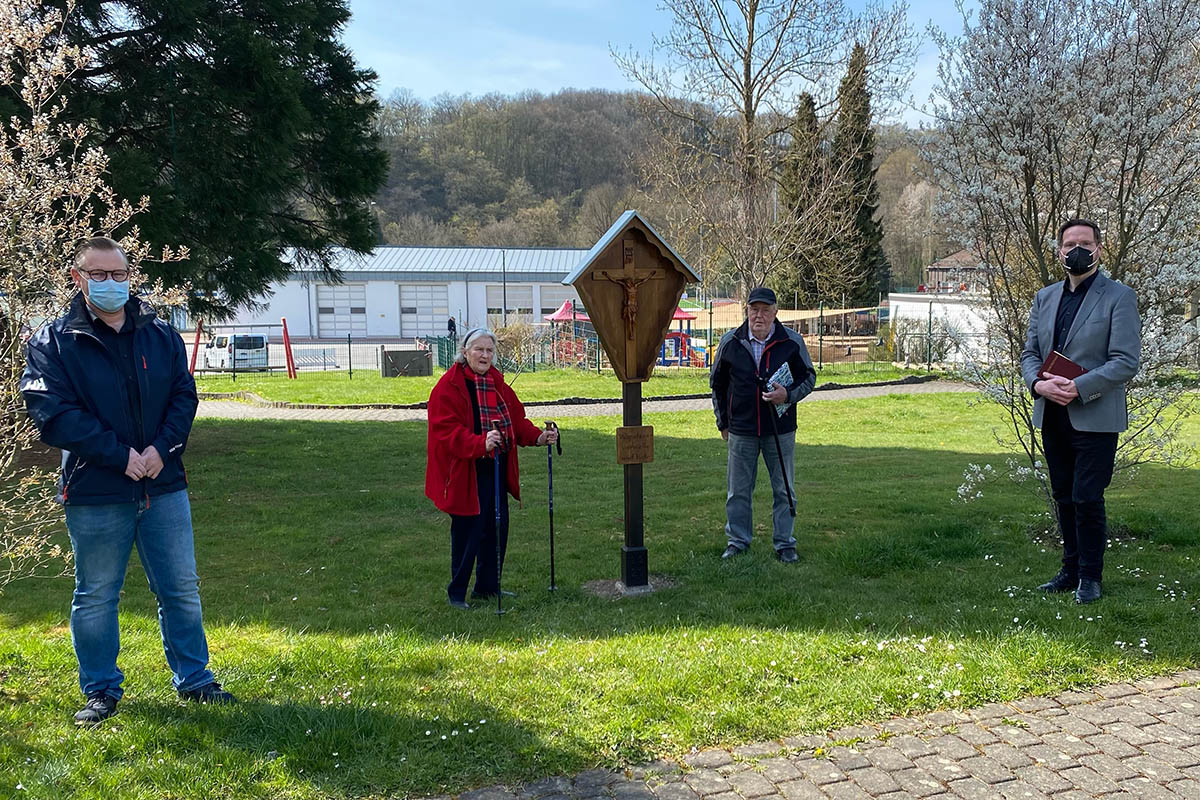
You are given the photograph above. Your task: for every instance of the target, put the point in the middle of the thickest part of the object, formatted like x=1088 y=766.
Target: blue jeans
x=102 y=538
x=743 y=470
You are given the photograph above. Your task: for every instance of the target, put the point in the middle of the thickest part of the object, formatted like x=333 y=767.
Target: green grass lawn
x=324 y=571
x=338 y=388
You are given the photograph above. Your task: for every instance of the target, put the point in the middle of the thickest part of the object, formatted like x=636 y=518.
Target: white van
x=236 y=351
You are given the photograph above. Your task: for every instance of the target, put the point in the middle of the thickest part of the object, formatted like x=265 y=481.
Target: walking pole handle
x=558 y=442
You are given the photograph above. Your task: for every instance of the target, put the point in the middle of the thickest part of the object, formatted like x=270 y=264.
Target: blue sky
x=506 y=46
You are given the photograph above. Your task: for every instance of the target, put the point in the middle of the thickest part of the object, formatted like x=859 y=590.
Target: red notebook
x=1058 y=364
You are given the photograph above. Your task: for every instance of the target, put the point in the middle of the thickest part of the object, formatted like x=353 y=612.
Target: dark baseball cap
x=761 y=295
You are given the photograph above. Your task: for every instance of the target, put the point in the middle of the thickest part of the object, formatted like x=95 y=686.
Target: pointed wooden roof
x=612 y=233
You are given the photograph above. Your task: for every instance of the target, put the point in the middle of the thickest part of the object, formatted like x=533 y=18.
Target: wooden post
x=821 y=335
x=634 y=567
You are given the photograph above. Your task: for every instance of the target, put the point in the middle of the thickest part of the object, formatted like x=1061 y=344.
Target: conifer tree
x=800 y=185
x=854 y=150
x=248 y=126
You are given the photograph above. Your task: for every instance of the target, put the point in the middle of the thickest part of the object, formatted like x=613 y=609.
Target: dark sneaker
x=788 y=555
x=100 y=706
x=1062 y=582
x=1088 y=591
x=492 y=595
x=460 y=604
x=209 y=693
x=732 y=551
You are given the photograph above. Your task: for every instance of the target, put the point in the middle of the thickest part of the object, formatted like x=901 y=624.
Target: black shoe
x=1062 y=582
x=787 y=555
x=492 y=595
x=100 y=706
x=1088 y=591
x=731 y=551
x=209 y=693
x=462 y=604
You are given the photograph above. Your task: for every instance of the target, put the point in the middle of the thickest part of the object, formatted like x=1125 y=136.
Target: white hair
x=472 y=335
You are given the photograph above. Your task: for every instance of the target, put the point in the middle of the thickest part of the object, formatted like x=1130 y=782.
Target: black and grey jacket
x=737 y=383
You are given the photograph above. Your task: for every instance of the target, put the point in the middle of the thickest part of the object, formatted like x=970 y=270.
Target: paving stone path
x=232 y=409
x=1126 y=740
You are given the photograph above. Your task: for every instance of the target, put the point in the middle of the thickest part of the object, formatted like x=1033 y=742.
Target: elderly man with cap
x=747 y=404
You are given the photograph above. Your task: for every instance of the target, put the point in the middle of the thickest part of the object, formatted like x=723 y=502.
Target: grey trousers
x=743 y=470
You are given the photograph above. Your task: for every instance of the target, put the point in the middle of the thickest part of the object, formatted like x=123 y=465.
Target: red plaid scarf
x=492 y=408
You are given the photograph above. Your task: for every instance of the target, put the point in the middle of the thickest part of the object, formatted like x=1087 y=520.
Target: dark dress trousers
x=1096 y=326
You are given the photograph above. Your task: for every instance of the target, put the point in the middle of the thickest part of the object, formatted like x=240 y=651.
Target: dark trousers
x=1081 y=467
x=473 y=538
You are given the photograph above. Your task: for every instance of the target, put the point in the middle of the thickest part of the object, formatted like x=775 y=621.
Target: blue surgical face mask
x=108 y=295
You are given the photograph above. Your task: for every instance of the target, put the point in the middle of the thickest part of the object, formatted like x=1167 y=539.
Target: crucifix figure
x=629 y=279
x=629 y=310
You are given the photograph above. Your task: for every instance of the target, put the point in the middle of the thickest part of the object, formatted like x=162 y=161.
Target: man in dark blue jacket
x=108 y=384
x=746 y=403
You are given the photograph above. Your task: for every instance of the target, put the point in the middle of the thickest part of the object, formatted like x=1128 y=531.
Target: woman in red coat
x=475 y=423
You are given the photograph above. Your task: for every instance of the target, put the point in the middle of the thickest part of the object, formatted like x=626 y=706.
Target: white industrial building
x=951 y=308
x=402 y=292
x=959 y=320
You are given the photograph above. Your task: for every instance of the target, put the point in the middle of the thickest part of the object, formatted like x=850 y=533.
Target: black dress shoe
x=731 y=551
x=1062 y=582
x=460 y=604
x=1088 y=591
x=100 y=706
x=788 y=555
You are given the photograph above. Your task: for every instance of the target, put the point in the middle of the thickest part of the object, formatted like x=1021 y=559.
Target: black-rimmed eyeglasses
x=118 y=275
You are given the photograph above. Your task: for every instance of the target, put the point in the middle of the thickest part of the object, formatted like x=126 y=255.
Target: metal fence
x=856 y=339
x=551 y=348
x=347 y=355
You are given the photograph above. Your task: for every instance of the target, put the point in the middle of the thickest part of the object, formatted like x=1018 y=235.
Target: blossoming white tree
x=52 y=196
x=1077 y=108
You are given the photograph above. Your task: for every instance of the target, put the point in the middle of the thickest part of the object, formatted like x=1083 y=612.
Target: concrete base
x=616 y=589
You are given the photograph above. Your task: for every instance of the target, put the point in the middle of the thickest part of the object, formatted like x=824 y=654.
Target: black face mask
x=1078 y=261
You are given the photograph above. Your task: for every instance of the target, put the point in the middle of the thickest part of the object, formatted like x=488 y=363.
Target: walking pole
x=550 y=425
x=779 y=452
x=496 y=485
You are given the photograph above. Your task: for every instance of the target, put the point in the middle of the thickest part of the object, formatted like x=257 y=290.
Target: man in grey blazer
x=1094 y=322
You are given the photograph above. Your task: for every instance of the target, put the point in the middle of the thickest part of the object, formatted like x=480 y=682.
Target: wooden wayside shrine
x=631 y=282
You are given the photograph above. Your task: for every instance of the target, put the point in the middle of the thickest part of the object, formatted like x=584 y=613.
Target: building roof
x=451 y=263
x=963 y=259
x=568 y=312
x=732 y=315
